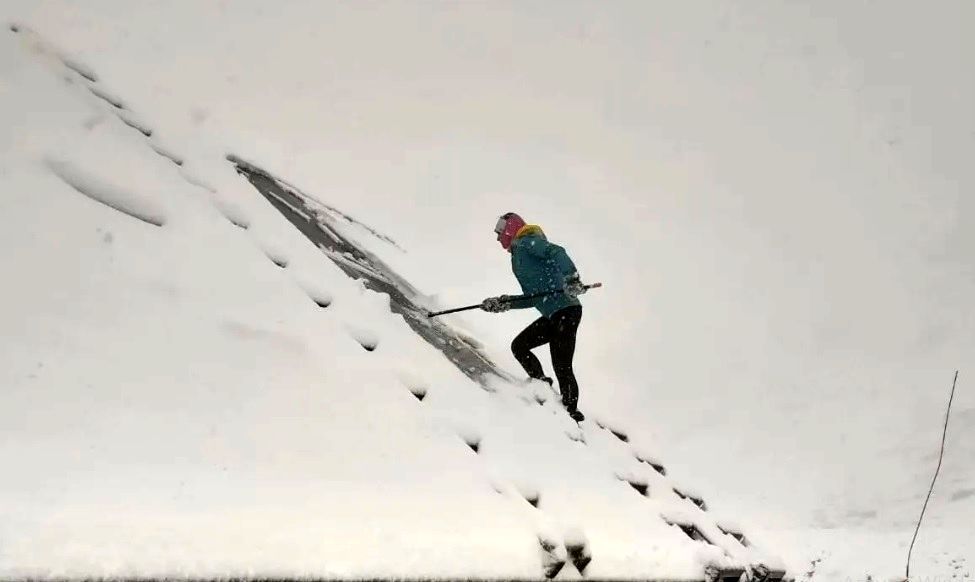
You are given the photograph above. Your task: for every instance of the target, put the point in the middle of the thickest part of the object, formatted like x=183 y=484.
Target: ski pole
x=512 y=298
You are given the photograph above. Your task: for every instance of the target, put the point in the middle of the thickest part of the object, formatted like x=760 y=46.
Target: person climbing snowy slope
x=541 y=266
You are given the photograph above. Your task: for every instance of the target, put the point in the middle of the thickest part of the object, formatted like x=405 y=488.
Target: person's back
x=541 y=266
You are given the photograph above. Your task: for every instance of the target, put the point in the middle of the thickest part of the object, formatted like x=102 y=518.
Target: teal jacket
x=540 y=266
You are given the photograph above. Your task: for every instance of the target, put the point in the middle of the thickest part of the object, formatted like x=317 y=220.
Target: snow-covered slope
x=191 y=387
x=774 y=195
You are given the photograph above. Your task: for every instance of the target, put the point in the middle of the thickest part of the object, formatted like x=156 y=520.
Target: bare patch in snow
x=100 y=190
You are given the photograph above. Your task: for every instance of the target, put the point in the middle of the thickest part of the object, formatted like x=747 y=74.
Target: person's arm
x=503 y=303
x=524 y=303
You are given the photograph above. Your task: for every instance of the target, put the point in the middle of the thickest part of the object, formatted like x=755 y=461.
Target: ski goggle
x=499 y=227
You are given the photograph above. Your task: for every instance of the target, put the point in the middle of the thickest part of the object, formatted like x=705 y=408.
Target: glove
x=496 y=304
x=573 y=286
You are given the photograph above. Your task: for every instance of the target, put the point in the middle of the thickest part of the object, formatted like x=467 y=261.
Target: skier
x=542 y=266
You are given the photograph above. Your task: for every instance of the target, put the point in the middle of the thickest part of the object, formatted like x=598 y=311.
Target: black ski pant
x=559 y=332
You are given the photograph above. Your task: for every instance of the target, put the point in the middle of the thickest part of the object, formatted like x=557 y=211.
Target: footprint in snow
x=473 y=442
x=577 y=547
x=553 y=557
x=166 y=153
x=107 y=97
x=367 y=339
x=278 y=260
x=133 y=122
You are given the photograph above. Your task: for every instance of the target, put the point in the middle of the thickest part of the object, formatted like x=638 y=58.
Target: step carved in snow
x=735 y=534
x=639 y=484
x=615 y=431
x=166 y=154
x=690 y=530
x=134 y=123
x=530 y=493
x=656 y=465
x=716 y=574
x=580 y=555
x=79 y=68
x=473 y=442
x=762 y=573
x=552 y=563
x=640 y=488
x=323 y=226
x=320 y=301
x=695 y=499
x=277 y=260
x=104 y=96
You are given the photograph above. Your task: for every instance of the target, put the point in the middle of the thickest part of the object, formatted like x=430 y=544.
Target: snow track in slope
x=319 y=223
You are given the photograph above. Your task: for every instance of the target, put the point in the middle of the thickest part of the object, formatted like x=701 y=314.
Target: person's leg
x=565 y=323
x=536 y=334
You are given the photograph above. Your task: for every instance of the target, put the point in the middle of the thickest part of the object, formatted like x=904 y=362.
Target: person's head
x=507 y=227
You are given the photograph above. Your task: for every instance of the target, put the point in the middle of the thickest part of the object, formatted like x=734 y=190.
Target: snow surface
x=175 y=405
x=792 y=180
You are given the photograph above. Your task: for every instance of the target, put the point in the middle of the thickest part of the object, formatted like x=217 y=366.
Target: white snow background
x=777 y=198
